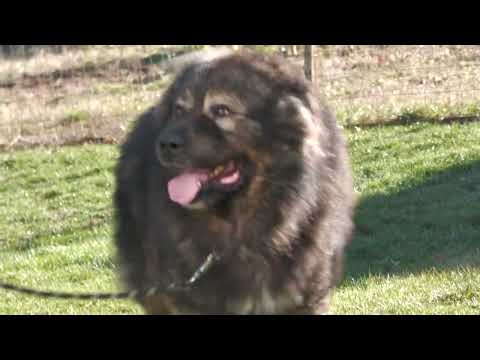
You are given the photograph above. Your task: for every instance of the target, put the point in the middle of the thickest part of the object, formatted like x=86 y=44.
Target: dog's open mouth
x=185 y=188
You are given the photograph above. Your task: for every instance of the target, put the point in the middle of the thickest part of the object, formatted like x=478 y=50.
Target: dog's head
x=226 y=121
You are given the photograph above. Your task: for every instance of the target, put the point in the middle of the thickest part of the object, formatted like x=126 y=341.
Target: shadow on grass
x=409 y=118
x=64 y=236
x=435 y=224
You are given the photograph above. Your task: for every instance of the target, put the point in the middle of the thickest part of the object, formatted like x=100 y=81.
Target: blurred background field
x=410 y=114
x=75 y=94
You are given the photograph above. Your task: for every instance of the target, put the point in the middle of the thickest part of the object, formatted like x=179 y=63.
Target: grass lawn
x=416 y=250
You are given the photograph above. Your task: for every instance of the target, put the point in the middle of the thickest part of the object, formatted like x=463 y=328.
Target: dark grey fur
x=282 y=234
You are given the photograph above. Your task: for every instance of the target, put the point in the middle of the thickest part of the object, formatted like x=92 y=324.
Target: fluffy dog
x=239 y=156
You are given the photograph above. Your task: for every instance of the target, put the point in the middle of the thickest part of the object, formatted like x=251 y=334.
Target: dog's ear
x=131 y=190
x=130 y=169
x=138 y=148
x=292 y=108
x=302 y=123
x=142 y=137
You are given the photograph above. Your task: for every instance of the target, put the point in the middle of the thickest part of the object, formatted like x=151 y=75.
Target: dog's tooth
x=217 y=171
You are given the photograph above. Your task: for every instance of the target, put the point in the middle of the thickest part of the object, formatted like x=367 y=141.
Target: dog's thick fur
x=282 y=233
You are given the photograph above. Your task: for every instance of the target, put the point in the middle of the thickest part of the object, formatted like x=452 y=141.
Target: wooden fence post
x=309 y=64
x=313 y=61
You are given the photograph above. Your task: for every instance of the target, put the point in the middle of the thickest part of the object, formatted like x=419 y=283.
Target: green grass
x=396 y=112
x=417 y=245
x=56 y=228
x=75 y=117
x=416 y=250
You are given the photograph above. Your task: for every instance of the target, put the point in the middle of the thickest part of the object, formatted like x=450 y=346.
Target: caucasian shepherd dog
x=240 y=157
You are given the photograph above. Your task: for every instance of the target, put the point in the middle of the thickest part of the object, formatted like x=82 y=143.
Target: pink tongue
x=184 y=188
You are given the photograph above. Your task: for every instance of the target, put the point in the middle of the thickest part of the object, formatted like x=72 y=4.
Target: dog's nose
x=171 y=142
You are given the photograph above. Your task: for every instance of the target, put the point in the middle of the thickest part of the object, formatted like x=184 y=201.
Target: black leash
x=132 y=294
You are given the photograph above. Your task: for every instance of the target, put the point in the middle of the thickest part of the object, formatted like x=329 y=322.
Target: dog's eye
x=179 y=110
x=220 y=110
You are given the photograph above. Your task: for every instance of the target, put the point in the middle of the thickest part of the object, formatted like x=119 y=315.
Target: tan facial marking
x=222 y=98
x=186 y=100
x=226 y=124
x=198 y=205
x=212 y=99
